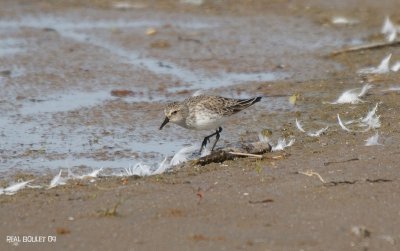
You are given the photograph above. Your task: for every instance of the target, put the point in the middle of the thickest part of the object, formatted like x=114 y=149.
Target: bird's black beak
x=164 y=123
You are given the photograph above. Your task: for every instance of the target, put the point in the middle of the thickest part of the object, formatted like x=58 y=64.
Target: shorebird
x=205 y=113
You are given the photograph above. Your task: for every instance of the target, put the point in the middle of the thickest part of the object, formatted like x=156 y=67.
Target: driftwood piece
x=245 y=150
x=370 y=46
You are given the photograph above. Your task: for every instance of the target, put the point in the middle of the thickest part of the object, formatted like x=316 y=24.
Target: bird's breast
x=204 y=121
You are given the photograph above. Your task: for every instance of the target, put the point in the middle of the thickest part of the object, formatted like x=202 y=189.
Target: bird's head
x=174 y=112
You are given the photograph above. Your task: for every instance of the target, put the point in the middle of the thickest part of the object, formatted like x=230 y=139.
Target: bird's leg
x=216 y=137
x=207 y=139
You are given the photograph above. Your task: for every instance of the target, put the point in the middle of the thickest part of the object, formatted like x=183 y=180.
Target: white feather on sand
x=311 y=134
x=342 y=125
x=57 y=181
x=373 y=140
x=389 y=30
x=382 y=68
x=395 y=67
x=162 y=167
x=14 y=188
x=183 y=155
x=343 y=20
x=370 y=121
x=352 y=96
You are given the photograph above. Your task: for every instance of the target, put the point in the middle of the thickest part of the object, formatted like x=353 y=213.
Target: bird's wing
x=228 y=106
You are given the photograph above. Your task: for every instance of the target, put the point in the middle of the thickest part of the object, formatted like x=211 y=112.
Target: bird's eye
x=174 y=112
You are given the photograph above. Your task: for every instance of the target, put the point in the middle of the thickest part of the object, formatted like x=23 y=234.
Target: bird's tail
x=243 y=103
x=249 y=102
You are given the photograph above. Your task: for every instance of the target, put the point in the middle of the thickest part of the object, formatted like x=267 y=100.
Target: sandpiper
x=205 y=113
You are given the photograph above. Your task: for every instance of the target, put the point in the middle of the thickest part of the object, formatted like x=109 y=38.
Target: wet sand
x=61 y=62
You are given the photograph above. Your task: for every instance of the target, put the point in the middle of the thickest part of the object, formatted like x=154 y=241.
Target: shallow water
x=10 y=46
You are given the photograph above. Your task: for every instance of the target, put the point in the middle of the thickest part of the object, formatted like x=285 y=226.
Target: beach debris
x=253 y=150
x=62 y=230
x=340 y=182
x=352 y=96
x=382 y=68
x=340 y=161
x=360 y=231
x=311 y=134
x=369 y=46
x=293 y=98
x=57 y=181
x=14 y=188
x=389 y=30
x=261 y=201
x=340 y=20
x=311 y=173
x=282 y=144
x=247 y=154
x=373 y=140
x=151 y=31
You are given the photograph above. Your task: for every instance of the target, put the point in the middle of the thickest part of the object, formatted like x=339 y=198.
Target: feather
x=395 y=67
x=299 y=126
x=382 y=68
x=14 y=188
x=352 y=96
x=371 y=120
x=317 y=133
x=57 y=181
x=343 y=20
x=373 y=140
x=342 y=125
x=182 y=155
x=162 y=167
x=389 y=29
x=311 y=134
